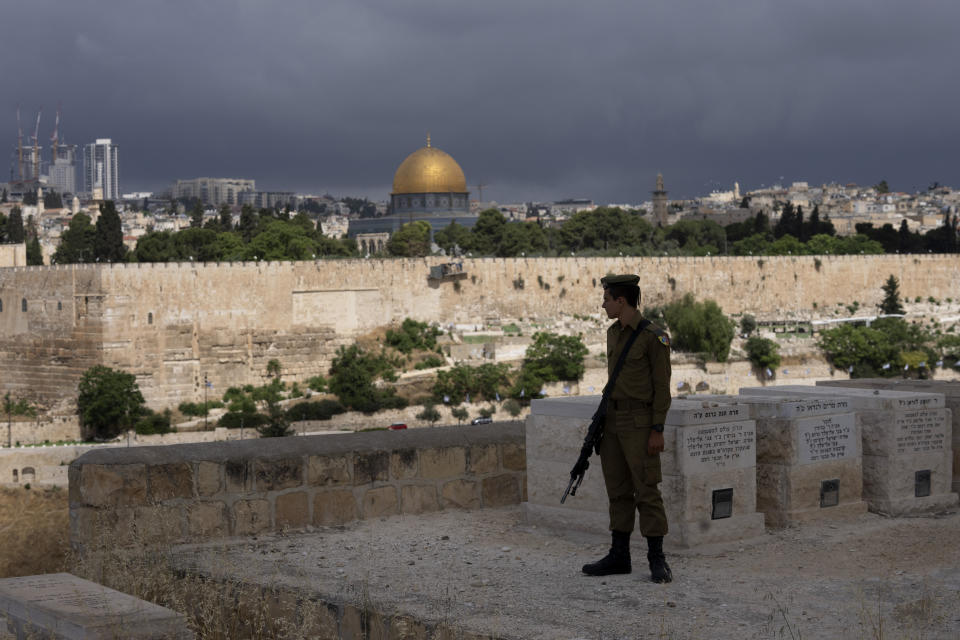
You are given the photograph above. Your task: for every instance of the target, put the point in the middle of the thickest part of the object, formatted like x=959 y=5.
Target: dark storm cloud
x=540 y=99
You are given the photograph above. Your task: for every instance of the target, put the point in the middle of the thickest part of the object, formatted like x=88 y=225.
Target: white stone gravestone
x=809 y=464
x=905 y=437
x=951 y=393
x=62 y=606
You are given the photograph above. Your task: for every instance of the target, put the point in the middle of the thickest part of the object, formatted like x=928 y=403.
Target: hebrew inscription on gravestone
x=920 y=431
x=827 y=438
x=728 y=445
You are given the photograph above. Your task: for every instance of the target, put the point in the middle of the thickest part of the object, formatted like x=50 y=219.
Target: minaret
x=660 y=203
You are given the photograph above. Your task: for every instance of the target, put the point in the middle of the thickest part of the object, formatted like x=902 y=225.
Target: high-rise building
x=215 y=191
x=101 y=175
x=62 y=173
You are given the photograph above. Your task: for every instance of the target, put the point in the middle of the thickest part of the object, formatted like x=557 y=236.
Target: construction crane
x=36 y=147
x=55 y=138
x=480 y=191
x=19 y=146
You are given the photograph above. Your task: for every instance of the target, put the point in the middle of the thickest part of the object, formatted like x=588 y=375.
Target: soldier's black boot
x=617 y=561
x=659 y=569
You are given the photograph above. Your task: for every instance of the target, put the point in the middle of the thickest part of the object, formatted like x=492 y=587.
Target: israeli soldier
x=633 y=434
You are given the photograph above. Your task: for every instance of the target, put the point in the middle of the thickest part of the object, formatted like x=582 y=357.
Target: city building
x=214 y=191
x=660 y=203
x=62 y=173
x=101 y=171
x=267 y=199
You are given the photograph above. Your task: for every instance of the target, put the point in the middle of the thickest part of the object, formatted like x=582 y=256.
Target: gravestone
x=906 y=445
x=809 y=464
x=62 y=606
x=708 y=467
x=951 y=393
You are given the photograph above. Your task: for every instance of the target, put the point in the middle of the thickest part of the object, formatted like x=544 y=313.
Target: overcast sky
x=544 y=99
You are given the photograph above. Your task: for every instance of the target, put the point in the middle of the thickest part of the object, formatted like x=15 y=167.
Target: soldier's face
x=612 y=305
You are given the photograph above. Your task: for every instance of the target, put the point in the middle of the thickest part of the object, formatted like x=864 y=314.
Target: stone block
x=483 y=459
x=790 y=494
x=207 y=520
x=514 y=456
x=168 y=481
x=407 y=628
x=325 y=471
x=334 y=508
x=353 y=623
x=461 y=493
x=157 y=524
x=443 y=462
x=380 y=502
x=889 y=483
x=292 y=510
x=371 y=467
x=404 y=464
x=113 y=485
x=418 y=499
x=209 y=482
x=66 y=607
x=318 y=619
x=498 y=491
x=251 y=517
x=238 y=476
x=276 y=474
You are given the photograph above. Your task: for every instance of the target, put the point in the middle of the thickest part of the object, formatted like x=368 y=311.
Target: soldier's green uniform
x=639 y=399
x=636 y=411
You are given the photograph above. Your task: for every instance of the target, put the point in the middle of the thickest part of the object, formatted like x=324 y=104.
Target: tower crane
x=55 y=138
x=480 y=191
x=19 y=146
x=36 y=147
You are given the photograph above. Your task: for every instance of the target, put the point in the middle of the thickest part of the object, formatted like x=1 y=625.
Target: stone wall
x=173 y=325
x=189 y=493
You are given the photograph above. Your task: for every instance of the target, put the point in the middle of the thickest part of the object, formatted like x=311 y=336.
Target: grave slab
x=906 y=445
x=710 y=448
x=807 y=449
x=951 y=393
x=62 y=606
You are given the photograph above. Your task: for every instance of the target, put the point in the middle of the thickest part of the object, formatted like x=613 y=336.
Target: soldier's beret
x=626 y=279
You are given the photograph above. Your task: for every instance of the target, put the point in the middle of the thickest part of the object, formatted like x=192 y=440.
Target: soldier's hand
x=654 y=443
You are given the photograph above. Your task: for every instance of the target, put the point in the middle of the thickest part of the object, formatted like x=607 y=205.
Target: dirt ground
x=34 y=530
x=867 y=577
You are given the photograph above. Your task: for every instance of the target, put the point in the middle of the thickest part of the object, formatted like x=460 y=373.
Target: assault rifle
x=590 y=444
x=594 y=436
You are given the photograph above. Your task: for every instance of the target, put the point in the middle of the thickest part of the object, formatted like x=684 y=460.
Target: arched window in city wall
x=23 y=305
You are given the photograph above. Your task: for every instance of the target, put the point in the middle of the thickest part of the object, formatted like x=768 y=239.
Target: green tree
x=34 y=252
x=155 y=246
x=108 y=235
x=553 y=357
x=352 y=376
x=748 y=324
x=460 y=413
x=429 y=414
x=76 y=243
x=226 y=217
x=109 y=402
x=882 y=187
x=411 y=240
x=763 y=354
x=891 y=297
x=276 y=425
x=512 y=407
x=15 y=231
x=248 y=223
x=412 y=335
x=700 y=327
x=196 y=215
x=453 y=239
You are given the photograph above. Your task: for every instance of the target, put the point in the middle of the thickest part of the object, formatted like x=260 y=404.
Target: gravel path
x=867 y=577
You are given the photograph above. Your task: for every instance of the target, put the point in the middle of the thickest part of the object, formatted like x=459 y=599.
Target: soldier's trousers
x=631 y=475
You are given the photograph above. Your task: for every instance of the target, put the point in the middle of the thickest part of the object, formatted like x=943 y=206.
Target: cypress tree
x=15 y=232
x=108 y=238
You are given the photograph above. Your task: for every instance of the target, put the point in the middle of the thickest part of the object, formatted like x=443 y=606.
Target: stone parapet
x=197 y=492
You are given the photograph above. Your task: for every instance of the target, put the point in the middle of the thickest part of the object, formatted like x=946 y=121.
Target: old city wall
x=175 y=324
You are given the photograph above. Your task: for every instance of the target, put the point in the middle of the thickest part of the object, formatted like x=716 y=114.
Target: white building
x=215 y=191
x=101 y=171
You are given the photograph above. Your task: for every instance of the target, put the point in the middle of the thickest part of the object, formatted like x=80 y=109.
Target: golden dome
x=429 y=170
